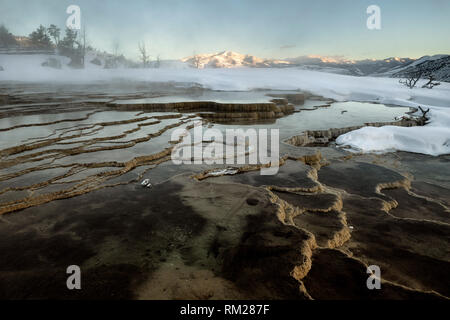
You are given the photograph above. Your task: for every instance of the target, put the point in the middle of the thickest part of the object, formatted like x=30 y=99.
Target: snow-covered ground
x=433 y=139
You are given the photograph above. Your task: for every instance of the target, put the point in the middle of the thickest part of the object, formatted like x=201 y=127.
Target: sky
x=175 y=29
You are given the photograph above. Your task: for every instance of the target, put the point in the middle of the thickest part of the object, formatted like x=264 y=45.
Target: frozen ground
x=433 y=139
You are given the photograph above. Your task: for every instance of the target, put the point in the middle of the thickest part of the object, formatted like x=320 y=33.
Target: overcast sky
x=268 y=29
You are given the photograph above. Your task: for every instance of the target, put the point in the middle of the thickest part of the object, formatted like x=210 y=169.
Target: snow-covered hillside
x=438 y=66
x=373 y=66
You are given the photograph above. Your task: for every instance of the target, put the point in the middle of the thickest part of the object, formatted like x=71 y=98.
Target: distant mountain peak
x=230 y=59
x=330 y=59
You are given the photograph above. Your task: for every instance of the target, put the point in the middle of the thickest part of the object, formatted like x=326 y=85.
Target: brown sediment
x=245 y=168
x=24 y=107
x=306 y=249
x=314 y=160
x=314 y=107
x=90 y=183
x=22 y=148
x=40 y=124
x=291 y=205
x=79 y=150
x=392 y=243
x=296 y=209
x=330 y=267
x=292 y=98
x=217 y=112
x=286 y=212
x=413 y=206
x=389 y=203
x=87 y=185
x=100 y=125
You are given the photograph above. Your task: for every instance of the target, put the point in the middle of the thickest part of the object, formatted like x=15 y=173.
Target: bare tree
x=143 y=54
x=158 y=61
x=430 y=84
x=411 y=79
x=423 y=120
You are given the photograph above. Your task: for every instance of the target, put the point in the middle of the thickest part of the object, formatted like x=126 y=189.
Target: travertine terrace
x=71 y=168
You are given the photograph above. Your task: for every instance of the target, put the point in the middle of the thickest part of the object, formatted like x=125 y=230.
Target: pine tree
x=40 y=38
x=73 y=48
x=67 y=45
x=55 y=33
x=6 y=38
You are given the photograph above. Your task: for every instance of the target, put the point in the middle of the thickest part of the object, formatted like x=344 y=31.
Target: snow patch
x=432 y=139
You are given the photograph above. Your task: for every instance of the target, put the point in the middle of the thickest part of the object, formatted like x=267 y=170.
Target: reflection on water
x=334 y=115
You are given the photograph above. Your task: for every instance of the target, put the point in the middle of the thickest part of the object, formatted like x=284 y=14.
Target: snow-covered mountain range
x=438 y=65
x=230 y=59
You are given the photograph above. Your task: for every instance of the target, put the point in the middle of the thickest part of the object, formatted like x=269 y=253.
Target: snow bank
x=432 y=139
x=426 y=140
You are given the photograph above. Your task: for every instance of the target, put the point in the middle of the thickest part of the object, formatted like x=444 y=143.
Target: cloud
x=287 y=46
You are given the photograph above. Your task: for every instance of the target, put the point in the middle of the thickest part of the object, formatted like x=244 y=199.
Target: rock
x=146 y=183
